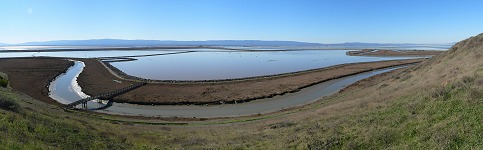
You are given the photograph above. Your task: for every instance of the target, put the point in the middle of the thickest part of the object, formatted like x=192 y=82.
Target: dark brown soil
x=96 y=79
x=33 y=75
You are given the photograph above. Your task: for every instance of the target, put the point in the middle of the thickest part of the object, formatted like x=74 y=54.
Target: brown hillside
x=461 y=60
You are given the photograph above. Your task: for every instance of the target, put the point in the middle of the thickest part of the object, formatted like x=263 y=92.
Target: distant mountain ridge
x=121 y=42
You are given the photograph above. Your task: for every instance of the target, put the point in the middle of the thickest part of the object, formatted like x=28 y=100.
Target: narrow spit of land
x=97 y=79
x=376 y=52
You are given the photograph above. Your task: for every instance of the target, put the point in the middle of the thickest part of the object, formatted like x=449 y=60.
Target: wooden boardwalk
x=105 y=95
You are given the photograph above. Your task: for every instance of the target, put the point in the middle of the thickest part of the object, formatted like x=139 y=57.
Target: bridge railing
x=106 y=95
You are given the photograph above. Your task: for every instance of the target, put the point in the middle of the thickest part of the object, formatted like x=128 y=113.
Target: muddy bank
x=260 y=106
x=373 y=52
x=96 y=79
x=263 y=106
x=33 y=75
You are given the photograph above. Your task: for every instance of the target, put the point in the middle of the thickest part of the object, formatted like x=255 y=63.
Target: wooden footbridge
x=104 y=96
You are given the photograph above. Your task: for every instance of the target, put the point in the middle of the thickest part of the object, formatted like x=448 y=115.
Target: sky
x=319 y=21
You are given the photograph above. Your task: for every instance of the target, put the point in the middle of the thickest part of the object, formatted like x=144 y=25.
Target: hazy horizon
x=347 y=42
x=413 y=21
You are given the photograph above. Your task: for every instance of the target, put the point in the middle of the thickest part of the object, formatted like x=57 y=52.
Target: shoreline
x=190 y=119
x=177 y=120
x=169 y=118
x=393 y=53
x=219 y=91
x=100 y=79
x=124 y=76
x=254 y=49
x=262 y=106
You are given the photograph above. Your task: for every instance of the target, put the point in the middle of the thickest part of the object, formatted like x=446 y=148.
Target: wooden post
x=84 y=105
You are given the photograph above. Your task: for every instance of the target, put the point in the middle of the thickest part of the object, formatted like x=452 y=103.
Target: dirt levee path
x=96 y=79
x=33 y=75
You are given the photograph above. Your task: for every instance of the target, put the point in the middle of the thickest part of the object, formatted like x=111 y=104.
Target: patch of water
x=82 y=54
x=229 y=65
x=65 y=88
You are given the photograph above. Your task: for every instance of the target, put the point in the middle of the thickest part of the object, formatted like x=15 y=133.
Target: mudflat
x=32 y=76
x=97 y=79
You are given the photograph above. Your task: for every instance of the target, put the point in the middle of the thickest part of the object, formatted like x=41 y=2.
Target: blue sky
x=321 y=21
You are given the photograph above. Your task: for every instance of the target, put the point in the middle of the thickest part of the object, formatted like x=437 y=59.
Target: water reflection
x=64 y=88
x=209 y=64
x=228 y=65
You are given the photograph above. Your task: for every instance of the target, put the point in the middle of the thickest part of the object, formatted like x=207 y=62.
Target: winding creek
x=65 y=90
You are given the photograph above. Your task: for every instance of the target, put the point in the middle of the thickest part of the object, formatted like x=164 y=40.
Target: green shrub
x=8 y=104
x=3 y=82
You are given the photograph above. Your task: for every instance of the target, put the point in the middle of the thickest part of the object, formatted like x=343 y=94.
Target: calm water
x=20 y=48
x=227 y=65
x=84 y=54
x=260 y=106
x=66 y=90
x=209 y=64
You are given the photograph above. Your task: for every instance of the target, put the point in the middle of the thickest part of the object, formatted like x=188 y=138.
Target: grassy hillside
x=28 y=124
x=435 y=105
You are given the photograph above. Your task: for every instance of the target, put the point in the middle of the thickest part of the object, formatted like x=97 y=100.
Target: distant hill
x=121 y=42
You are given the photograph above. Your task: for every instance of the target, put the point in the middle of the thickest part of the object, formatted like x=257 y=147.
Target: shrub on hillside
x=8 y=104
x=3 y=82
x=441 y=92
